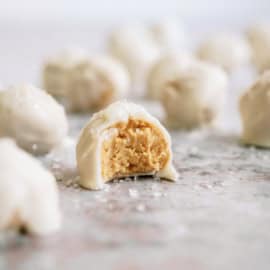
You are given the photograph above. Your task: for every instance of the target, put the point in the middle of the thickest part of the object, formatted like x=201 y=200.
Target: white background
x=100 y=11
x=31 y=30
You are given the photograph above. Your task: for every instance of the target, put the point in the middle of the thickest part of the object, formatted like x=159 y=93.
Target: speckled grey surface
x=215 y=217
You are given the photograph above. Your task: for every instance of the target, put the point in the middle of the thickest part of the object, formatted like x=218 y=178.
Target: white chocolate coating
x=255 y=112
x=259 y=38
x=193 y=95
x=28 y=192
x=166 y=66
x=86 y=83
x=98 y=130
x=136 y=50
x=33 y=118
x=226 y=50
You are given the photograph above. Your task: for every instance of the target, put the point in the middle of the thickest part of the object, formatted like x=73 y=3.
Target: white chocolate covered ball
x=166 y=66
x=169 y=35
x=259 y=38
x=136 y=50
x=193 y=94
x=229 y=51
x=120 y=141
x=28 y=192
x=56 y=70
x=88 y=83
x=33 y=118
x=254 y=108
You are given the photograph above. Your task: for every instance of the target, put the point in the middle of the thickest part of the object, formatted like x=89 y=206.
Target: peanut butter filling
x=138 y=148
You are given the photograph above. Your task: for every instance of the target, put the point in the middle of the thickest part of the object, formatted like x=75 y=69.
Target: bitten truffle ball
x=121 y=141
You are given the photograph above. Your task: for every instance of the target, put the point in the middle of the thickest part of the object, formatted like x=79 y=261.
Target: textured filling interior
x=138 y=148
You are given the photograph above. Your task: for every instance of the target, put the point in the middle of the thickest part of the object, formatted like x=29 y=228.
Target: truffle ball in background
x=163 y=69
x=86 y=83
x=33 y=118
x=227 y=50
x=259 y=38
x=193 y=95
x=57 y=68
x=254 y=108
x=28 y=192
x=169 y=35
x=136 y=49
x=95 y=83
